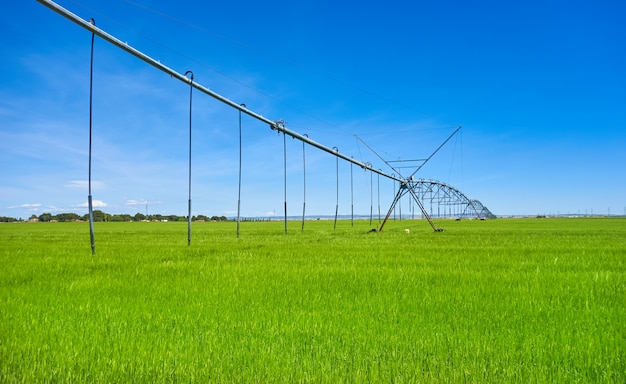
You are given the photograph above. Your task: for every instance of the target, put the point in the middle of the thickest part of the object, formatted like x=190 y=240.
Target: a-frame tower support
x=408 y=186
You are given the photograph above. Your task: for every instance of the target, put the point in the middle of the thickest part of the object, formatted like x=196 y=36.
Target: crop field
x=505 y=300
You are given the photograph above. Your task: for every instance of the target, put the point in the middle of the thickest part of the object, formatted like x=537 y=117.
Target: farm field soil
x=505 y=300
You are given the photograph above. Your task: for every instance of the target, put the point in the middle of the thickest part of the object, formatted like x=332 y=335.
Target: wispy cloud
x=26 y=206
x=83 y=184
x=136 y=202
x=95 y=203
x=36 y=207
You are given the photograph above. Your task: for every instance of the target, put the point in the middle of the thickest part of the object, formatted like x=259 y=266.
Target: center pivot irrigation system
x=419 y=189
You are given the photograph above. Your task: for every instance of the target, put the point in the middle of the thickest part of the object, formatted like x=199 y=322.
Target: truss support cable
x=275 y=125
x=189 y=201
x=433 y=154
x=89 y=198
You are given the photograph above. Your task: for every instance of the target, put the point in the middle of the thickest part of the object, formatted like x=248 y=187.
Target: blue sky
x=539 y=88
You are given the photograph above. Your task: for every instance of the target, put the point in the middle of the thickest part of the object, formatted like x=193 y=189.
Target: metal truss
x=440 y=200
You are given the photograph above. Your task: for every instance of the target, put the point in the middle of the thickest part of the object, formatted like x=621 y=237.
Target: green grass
x=507 y=300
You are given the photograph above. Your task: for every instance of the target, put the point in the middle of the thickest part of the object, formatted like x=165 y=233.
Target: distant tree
x=6 y=219
x=45 y=217
x=139 y=217
x=66 y=217
x=120 y=217
x=98 y=216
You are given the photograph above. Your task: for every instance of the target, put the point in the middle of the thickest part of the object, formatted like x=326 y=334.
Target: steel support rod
x=408 y=187
x=155 y=63
x=396 y=199
x=421 y=207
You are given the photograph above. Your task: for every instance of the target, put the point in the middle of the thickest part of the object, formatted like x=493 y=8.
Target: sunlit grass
x=486 y=301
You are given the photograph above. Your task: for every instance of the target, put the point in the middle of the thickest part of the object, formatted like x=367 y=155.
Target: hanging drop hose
x=89 y=199
x=304 y=183
x=337 y=199
x=378 y=196
x=371 y=195
x=285 y=176
x=239 y=192
x=351 y=197
x=189 y=201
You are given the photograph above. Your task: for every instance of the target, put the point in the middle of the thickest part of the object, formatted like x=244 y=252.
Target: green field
x=506 y=300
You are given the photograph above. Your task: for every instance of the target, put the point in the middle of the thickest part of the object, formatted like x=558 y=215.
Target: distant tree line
x=6 y=219
x=100 y=216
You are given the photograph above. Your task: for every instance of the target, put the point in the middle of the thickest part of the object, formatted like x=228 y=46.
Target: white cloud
x=76 y=184
x=95 y=203
x=28 y=206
